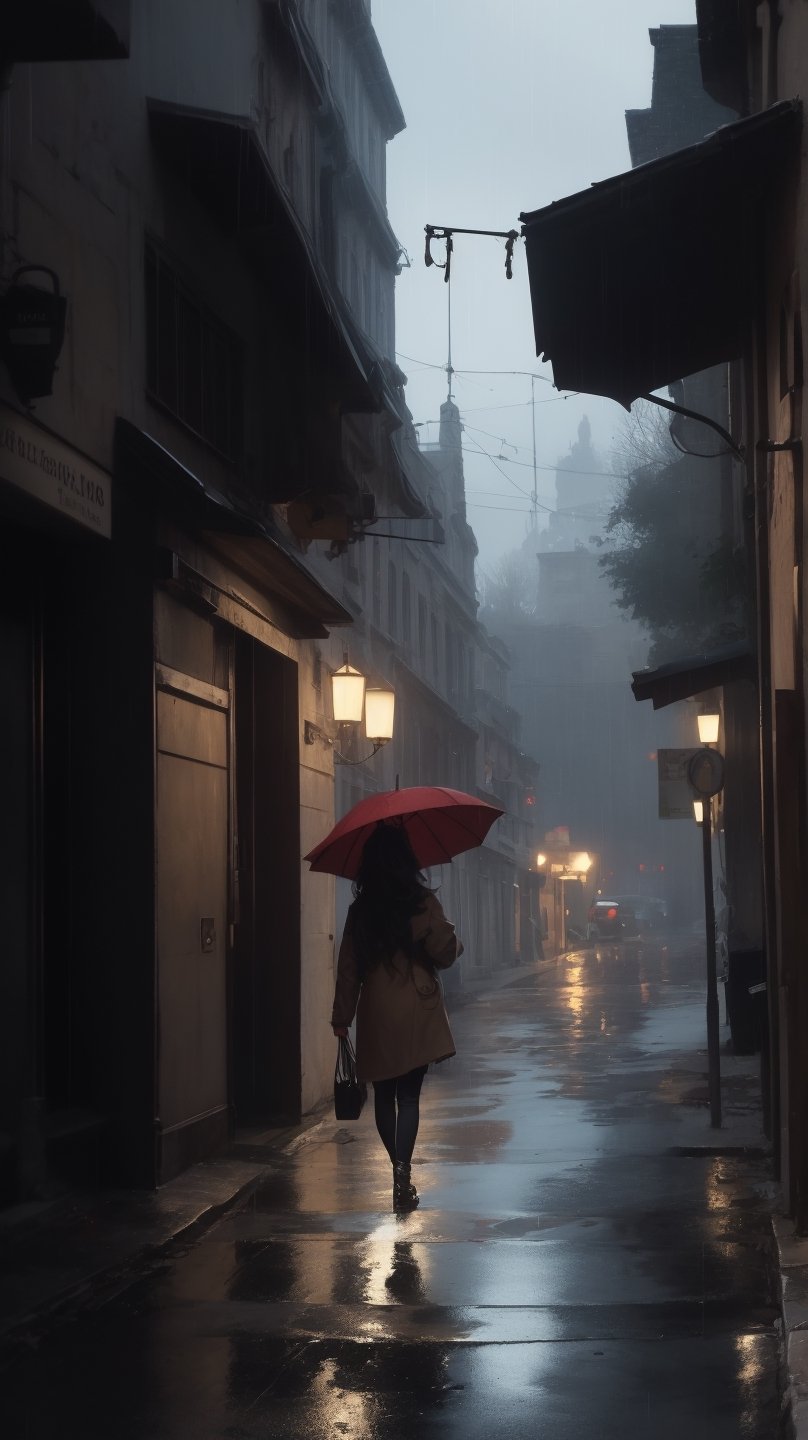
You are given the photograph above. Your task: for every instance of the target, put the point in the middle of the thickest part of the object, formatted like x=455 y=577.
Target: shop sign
x=54 y=472
x=675 y=790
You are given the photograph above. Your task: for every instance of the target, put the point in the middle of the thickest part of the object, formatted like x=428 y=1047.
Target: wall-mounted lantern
x=32 y=331
x=347 y=694
x=708 y=728
x=351 y=699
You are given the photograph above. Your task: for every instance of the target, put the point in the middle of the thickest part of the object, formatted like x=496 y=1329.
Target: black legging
x=398 y=1131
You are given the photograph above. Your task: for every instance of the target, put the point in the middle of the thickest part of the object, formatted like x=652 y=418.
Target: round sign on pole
x=705 y=771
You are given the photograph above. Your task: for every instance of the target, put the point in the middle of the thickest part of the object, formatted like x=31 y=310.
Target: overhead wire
x=526 y=464
x=562 y=469
x=432 y=365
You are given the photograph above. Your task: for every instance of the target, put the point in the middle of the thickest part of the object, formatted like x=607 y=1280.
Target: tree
x=671 y=567
x=509 y=591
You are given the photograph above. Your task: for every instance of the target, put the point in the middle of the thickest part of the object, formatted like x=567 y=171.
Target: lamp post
x=705 y=772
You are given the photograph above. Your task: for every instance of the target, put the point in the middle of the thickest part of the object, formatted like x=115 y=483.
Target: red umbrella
x=439 y=824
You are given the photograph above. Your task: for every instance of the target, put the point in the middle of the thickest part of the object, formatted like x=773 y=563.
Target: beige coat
x=401 y=1020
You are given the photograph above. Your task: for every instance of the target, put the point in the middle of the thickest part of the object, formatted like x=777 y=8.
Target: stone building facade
x=194 y=194
x=175 y=172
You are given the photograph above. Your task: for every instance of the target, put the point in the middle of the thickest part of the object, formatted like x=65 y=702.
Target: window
x=392 y=600
x=194 y=364
x=406 y=609
x=376 y=583
x=354 y=298
x=421 y=628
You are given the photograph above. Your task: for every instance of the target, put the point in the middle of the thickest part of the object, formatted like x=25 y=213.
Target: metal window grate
x=194 y=364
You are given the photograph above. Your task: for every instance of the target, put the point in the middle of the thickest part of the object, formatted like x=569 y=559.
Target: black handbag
x=350 y=1094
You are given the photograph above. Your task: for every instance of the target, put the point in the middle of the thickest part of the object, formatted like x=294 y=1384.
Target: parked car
x=611 y=919
x=651 y=913
x=620 y=917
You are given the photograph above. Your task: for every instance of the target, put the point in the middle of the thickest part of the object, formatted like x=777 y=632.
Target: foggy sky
x=509 y=104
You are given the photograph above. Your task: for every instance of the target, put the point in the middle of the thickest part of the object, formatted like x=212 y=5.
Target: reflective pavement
x=589 y=1257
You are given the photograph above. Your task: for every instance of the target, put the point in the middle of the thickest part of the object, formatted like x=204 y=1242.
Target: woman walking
x=396 y=938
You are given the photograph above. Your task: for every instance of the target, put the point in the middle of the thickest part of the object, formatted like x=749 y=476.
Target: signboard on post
x=675 y=790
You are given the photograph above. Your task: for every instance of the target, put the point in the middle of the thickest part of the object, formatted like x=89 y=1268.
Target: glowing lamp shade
x=581 y=862
x=541 y=859
x=347 y=693
x=708 y=728
x=379 y=713
x=698 y=811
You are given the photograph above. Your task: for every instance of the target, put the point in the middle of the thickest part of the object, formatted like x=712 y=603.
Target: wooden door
x=192 y=890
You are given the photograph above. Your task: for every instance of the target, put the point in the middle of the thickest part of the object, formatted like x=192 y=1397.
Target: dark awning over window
x=222 y=161
x=649 y=277
x=247 y=541
x=693 y=674
x=66 y=30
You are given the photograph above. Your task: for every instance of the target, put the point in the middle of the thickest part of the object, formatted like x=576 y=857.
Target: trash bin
x=747 y=1013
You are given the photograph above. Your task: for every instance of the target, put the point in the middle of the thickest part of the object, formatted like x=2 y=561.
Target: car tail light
x=611 y=913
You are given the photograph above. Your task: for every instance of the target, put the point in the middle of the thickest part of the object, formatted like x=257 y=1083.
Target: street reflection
x=390 y=1268
x=405 y=1282
x=339 y=1410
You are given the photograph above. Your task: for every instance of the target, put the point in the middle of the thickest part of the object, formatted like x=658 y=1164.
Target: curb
x=792 y=1254
x=112 y=1275
x=472 y=990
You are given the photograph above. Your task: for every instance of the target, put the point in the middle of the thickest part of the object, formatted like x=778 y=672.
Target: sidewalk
x=589 y=1256
x=54 y=1253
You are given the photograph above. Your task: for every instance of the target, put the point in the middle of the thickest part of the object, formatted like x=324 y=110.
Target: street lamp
x=705 y=772
x=350 y=698
x=708 y=728
x=380 y=706
x=32 y=331
x=347 y=694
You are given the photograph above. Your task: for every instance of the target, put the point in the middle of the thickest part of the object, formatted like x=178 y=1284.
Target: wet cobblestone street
x=586 y=1260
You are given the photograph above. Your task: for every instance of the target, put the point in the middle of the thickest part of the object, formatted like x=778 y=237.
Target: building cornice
x=356 y=14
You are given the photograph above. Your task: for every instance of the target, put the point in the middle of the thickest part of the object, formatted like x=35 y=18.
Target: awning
x=44 y=30
x=244 y=539
x=693 y=674
x=650 y=276
x=221 y=159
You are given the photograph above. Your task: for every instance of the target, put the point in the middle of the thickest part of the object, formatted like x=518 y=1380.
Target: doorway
x=266 y=978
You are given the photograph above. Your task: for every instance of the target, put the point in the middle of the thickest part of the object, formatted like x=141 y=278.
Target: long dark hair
x=389 y=890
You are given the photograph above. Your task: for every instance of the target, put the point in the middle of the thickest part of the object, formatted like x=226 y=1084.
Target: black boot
x=405 y=1195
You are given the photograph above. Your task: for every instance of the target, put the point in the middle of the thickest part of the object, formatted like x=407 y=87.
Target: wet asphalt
x=581 y=1264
